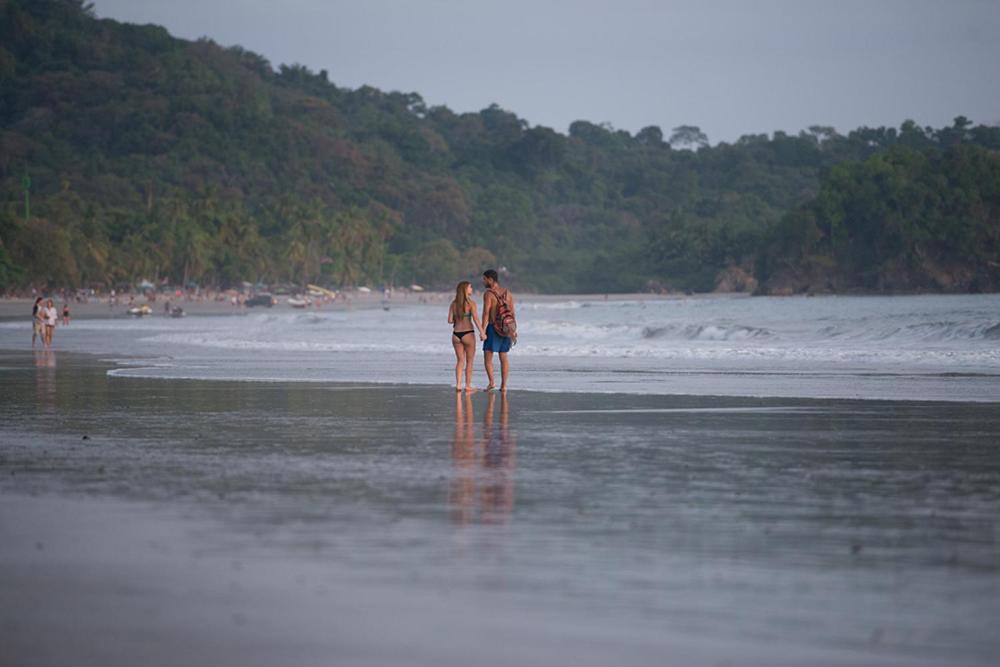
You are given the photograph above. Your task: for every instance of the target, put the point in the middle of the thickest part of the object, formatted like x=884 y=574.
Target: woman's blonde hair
x=461 y=303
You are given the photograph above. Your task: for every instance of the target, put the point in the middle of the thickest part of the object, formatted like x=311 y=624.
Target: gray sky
x=731 y=67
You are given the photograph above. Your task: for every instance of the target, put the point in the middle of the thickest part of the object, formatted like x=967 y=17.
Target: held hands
x=482 y=336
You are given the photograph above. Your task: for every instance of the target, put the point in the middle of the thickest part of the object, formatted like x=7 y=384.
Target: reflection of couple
x=45 y=378
x=483 y=484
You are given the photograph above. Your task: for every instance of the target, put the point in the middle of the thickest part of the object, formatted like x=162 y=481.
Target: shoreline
x=16 y=308
x=693 y=346
x=349 y=298
x=13 y=308
x=109 y=367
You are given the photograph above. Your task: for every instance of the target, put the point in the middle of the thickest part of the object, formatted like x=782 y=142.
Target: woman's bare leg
x=459 y=361
x=470 y=357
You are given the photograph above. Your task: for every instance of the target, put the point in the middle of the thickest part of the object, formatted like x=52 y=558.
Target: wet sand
x=198 y=522
x=102 y=582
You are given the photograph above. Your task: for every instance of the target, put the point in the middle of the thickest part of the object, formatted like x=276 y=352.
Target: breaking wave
x=705 y=332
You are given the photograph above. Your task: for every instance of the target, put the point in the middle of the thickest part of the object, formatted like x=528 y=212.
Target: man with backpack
x=501 y=327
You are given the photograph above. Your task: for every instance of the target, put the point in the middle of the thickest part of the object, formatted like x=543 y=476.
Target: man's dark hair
x=491 y=274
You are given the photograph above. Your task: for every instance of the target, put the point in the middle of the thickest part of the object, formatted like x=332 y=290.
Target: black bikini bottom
x=461 y=334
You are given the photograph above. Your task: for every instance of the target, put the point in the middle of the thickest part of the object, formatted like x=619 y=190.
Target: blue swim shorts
x=495 y=343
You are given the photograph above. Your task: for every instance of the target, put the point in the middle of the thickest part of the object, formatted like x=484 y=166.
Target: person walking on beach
x=37 y=323
x=65 y=314
x=462 y=316
x=501 y=327
x=51 y=318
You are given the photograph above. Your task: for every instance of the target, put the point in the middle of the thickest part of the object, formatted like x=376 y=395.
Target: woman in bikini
x=51 y=319
x=462 y=316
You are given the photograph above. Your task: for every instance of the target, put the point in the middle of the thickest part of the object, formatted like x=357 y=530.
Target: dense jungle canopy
x=151 y=157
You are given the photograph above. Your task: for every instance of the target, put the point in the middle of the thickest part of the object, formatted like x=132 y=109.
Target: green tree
x=439 y=265
x=688 y=137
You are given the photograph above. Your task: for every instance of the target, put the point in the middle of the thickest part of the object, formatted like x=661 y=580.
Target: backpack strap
x=496 y=294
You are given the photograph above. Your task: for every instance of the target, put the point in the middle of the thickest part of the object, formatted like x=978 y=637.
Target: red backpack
x=503 y=318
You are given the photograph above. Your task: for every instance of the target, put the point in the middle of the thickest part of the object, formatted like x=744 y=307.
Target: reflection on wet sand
x=463 y=456
x=482 y=488
x=497 y=495
x=758 y=531
x=45 y=379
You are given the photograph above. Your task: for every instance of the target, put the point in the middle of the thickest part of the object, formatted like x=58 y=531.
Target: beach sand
x=234 y=523
x=14 y=308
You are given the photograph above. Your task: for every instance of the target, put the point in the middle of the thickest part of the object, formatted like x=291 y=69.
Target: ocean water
x=897 y=348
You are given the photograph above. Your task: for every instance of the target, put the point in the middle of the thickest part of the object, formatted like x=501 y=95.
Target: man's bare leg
x=488 y=360
x=504 y=369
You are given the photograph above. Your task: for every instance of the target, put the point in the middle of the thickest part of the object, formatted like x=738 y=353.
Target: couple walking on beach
x=44 y=318
x=498 y=337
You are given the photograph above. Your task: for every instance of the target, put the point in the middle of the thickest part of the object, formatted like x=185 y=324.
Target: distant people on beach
x=501 y=326
x=50 y=318
x=465 y=322
x=37 y=323
x=65 y=314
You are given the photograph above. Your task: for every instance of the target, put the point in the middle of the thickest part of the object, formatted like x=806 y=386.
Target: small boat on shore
x=320 y=292
x=140 y=311
x=299 y=302
x=177 y=311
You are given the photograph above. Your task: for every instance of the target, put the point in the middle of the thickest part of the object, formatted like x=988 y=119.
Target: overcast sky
x=732 y=67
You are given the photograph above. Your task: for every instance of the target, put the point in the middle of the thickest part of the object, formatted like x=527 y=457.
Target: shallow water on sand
x=753 y=531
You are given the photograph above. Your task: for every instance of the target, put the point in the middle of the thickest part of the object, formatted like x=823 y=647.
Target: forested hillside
x=159 y=158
